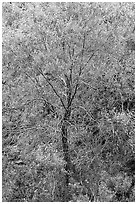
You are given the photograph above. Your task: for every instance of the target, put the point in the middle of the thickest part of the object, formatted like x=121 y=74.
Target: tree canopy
x=68 y=101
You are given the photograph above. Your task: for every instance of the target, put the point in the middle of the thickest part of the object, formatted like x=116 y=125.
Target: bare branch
x=69 y=51
x=53 y=89
x=80 y=72
x=75 y=91
x=88 y=113
x=84 y=39
x=34 y=81
x=89 y=59
x=70 y=77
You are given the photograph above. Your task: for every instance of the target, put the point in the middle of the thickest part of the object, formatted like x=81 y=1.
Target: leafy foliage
x=68 y=102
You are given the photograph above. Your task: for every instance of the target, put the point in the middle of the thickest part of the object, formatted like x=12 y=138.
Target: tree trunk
x=64 y=134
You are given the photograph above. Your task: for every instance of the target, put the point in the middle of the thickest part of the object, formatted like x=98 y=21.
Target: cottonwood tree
x=51 y=51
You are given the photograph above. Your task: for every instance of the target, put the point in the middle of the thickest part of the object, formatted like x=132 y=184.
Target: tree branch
x=80 y=72
x=89 y=59
x=34 y=81
x=53 y=89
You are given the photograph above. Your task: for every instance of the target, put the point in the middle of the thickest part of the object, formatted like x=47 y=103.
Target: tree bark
x=64 y=134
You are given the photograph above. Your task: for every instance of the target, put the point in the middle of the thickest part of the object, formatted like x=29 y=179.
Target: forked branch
x=51 y=85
